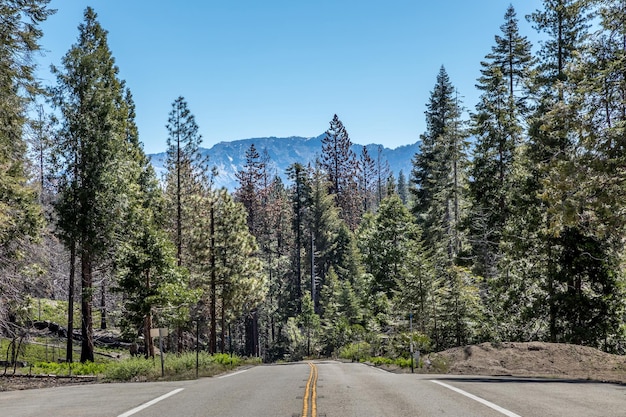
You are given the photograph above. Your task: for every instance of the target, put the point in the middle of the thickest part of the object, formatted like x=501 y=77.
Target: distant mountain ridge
x=229 y=157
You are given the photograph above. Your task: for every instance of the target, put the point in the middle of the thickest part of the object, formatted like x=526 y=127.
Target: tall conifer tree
x=498 y=127
x=340 y=165
x=438 y=176
x=186 y=170
x=90 y=98
x=20 y=216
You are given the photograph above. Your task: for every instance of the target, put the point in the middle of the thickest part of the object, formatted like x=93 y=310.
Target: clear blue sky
x=252 y=68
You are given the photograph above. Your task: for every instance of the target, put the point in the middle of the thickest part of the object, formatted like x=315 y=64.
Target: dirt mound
x=534 y=359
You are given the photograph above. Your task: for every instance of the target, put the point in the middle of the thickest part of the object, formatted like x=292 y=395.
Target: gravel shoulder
x=535 y=359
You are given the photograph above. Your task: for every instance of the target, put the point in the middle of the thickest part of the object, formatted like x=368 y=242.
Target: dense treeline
x=509 y=227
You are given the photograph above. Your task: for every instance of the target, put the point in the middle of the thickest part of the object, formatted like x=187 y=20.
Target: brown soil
x=21 y=382
x=534 y=359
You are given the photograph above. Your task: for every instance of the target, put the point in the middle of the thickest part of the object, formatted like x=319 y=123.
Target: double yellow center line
x=310 y=393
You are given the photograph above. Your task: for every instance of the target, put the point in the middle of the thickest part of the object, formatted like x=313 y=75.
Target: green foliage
x=438 y=175
x=132 y=369
x=358 y=351
x=340 y=166
x=90 y=150
x=21 y=217
x=498 y=126
x=176 y=366
x=54 y=368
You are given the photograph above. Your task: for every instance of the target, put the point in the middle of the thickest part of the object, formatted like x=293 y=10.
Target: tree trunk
x=86 y=353
x=213 y=339
x=147 y=325
x=103 y=306
x=70 y=305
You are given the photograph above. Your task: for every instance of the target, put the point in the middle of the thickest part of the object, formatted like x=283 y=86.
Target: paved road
x=324 y=389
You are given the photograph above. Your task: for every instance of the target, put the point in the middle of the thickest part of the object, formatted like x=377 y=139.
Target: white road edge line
x=150 y=403
x=480 y=400
x=234 y=373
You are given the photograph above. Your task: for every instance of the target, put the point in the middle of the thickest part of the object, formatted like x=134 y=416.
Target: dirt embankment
x=535 y=359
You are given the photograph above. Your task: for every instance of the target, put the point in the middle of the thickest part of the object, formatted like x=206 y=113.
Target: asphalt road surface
x=324 y=389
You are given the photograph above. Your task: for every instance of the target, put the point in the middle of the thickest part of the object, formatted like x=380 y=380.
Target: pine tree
x=389 y=245
x=382 y=174
x=438 y=178
x=145 y=258
x=367 y=177
x=300 y=201
x=551 y=145
x=340 y=165
x=20 y=215
x=323 y=224
x=403 y=188
x=19 y=41
x=89 y=97
x=277 y=248
x=497 y=125
x=251 y=186
x=579 y=185
x=186 y=170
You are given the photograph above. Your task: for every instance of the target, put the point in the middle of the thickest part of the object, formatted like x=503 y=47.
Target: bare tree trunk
x=86 y=353
x=213 y=339
x=70 y=305
x=147 y=325
x=223 y=330
x=103 y=306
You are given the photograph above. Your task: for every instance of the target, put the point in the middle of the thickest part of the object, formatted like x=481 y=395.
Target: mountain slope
x=229 y=157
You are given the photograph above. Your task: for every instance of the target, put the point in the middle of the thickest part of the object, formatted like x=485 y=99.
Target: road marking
x=314 y=393
x=480 y=400
x=310 y=392
x=150 y=403
x=234 y=373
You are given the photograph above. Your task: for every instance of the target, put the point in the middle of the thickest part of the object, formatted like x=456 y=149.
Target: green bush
x=359 y=351
x=379 y=360
x=403 y=362
x=53 y=368
x=131 y=369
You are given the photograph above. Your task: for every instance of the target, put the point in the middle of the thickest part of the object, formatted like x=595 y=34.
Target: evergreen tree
x=186 y=170
x=19 y=41
x=20 y=216
x=579 y=177
x=382 y=174
x=278 y=249
x=565 y=22
x=403 y=188
x=89 y=97
x=389 y=241
x=340 y=165
x=497 y=125
x=367 y=177
x=251 y=179
x=300 y=201
x=438 y=178
x=323 y=223
x=145 y=258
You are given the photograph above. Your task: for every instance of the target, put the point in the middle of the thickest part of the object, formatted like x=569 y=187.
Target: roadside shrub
x=53 y=368
x=359 y=351
x=130 y=369
x=380 y=360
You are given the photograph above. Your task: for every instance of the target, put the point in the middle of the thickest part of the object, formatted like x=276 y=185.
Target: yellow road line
x=310 y=392
x=314 y=393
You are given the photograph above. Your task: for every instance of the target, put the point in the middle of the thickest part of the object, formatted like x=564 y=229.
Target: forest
x=509 y=227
